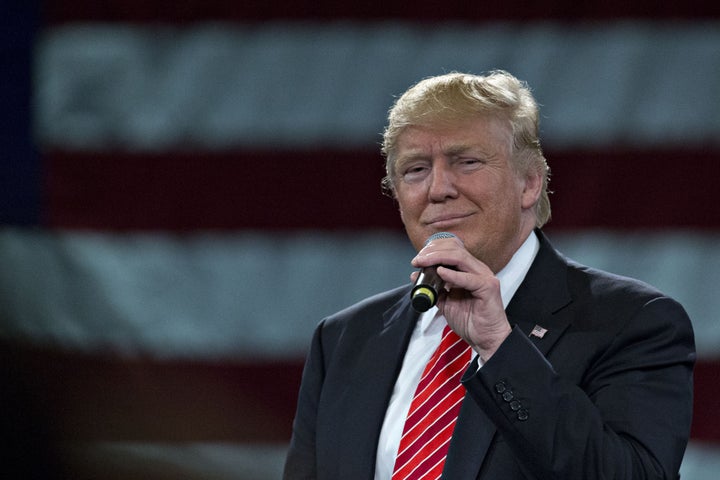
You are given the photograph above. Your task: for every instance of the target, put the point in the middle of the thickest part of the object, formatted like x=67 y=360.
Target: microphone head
x=438 y=235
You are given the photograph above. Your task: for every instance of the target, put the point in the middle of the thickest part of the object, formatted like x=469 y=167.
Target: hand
x=472 y=303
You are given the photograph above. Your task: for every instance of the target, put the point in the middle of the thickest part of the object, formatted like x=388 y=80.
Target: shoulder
x=370 y=307
x=351 y=327
x=586 y=283
x=612 y=290
x=597 y=297
x=630 y=311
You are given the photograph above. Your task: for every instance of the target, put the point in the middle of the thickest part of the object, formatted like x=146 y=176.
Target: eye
x=415 y=172
x=469 y=163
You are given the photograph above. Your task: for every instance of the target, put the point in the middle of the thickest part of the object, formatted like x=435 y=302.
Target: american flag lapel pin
x=538 y=331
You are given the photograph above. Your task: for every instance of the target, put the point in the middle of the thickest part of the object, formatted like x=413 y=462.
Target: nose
x=441 y=183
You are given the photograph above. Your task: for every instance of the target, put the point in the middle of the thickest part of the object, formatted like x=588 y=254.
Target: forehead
x=489 y=134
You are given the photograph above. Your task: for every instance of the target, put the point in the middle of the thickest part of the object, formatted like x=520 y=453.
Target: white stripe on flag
x=259 y=294
x=297 y=84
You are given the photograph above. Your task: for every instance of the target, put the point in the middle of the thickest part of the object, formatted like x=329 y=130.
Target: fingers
x=472 y=301
x=443 y=251
x=457 y=267
x=450 y=252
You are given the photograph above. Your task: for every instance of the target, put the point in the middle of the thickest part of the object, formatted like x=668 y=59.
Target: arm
x=300 y=463
x=591 y=411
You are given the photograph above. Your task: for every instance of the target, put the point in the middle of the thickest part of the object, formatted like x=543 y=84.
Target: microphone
x=424 y=294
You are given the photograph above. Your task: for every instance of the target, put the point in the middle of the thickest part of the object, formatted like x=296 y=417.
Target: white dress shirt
x=423 y=343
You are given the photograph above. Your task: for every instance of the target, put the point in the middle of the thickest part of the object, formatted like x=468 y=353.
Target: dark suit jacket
x=605 y=393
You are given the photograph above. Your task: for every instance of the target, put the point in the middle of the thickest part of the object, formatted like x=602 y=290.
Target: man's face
x=459 y=179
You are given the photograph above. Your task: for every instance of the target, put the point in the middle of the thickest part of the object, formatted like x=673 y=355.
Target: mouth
x=444 y=221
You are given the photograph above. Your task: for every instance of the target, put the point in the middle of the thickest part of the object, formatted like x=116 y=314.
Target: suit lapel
x=541 y=298
x=361 y=410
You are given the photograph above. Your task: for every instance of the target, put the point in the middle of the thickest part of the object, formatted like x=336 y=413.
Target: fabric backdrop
x=188 y=187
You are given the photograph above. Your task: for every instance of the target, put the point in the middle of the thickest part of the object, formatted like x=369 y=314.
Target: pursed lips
x=447 y=219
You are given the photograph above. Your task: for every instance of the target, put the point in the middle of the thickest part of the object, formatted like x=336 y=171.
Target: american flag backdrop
x=188 y=187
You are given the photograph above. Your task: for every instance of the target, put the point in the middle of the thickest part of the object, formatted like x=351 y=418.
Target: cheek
x=409 y=215
x=402 y=214
x=407 y=205
x=405 y=214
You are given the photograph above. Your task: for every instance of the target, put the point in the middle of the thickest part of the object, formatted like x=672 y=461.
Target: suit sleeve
x=300 y=463
x=626 y=416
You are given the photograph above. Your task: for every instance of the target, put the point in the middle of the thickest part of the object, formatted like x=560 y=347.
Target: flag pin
x=538 y=331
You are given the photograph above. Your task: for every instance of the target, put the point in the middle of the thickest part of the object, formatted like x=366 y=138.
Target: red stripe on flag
x=635 y=189
x=326 y=189
x=706 y=425
x=420 y=10
x=105 y=397
x=183 y=191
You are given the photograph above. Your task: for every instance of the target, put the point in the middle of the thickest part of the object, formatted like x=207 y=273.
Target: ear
x=532 y=189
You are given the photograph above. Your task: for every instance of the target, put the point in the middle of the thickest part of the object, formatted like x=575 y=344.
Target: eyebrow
x=410 y=157
x=451 y=151
x=456 y=150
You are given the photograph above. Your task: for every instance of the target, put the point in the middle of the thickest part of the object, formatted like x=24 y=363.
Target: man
x=577 y=373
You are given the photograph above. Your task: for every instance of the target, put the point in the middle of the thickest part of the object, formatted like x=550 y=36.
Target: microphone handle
x=428 y=285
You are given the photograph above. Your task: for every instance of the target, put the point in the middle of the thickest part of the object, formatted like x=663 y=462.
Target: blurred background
x=188 y=187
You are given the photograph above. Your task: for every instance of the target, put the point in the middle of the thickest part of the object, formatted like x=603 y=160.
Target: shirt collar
x=510 y=277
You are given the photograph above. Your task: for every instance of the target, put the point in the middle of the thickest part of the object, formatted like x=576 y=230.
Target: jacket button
x=515 y=405
x=500 y=387
x=507 y=396
x=522 y=415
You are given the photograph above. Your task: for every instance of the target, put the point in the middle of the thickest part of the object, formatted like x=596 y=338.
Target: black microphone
x=424 y=294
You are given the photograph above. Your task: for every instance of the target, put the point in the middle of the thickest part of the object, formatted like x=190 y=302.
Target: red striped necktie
x=433 y=412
